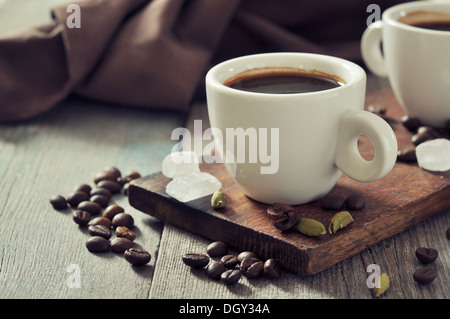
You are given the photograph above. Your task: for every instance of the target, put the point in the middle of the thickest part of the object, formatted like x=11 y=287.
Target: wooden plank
x=407 y=196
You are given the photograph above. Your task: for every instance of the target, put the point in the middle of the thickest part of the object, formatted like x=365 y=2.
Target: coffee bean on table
x=215 y=269
x=113 y=170
x=99 y=230
x=101 y=221
x=279 y=210
x=332 y=201
x=195 y=260
x=58 y=202
x=425 y=275
x=85 y=188
x=81 y=217
x=246 y=254
x=112 y=210
x=101 y=176
x=411 y=123
x=112 y=186
x=419 y=138
x=355 y=201
x=426 y=255
x=217 y=248
x=120 y=244
x=90 y=207
x=103 y=201
x=136 y=256
x=125 y=232
x=77 y=197
x=97 y=244
x=123 y=219
x=251 y=267
x=272 y=268
x=229 y=261
x=287 y=222
x=407 y=155
x=230 y=276
x=101 y=191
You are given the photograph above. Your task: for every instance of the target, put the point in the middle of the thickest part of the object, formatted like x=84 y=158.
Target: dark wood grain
x=405 y=197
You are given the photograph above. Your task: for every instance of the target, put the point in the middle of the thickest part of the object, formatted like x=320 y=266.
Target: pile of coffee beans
x=426 y=274
x=220 y=264
x=92 y=208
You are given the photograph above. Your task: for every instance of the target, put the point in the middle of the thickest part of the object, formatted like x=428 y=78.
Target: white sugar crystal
x=192 y=186
x=434 y=155
x=180 y=163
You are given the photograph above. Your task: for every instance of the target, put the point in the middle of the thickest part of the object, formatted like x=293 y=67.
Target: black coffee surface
x=445 y=26
x=284 y=83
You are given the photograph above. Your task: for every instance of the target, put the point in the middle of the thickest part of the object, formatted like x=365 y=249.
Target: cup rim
x=211 y=78
x=409 y=7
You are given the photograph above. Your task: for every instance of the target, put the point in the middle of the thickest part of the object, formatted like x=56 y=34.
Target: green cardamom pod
x=340 y=220
x=310 y=227
x=383 y=285
x=218 y=200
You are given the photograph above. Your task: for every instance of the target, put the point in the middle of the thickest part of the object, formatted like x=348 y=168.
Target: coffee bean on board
x=425 y=275
x=196 y=260
x=407 y=155
x=355 y=201
x=81 y=217
x=426 y=255
x=58 y=202
x=136 y=256
x=97 y=244
x=99 y=230
x=217 y=248
x=123 y=219
x=332 y=201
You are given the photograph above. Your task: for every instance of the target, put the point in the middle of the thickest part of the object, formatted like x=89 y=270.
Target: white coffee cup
x=416 y=60
x=317 y=131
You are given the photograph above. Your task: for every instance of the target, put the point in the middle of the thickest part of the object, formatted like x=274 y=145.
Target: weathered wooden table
x=43 y=253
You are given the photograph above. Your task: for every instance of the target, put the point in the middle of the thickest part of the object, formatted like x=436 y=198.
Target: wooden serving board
x=405 y=197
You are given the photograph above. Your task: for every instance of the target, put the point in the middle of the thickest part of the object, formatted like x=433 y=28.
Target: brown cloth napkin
x=155 y=53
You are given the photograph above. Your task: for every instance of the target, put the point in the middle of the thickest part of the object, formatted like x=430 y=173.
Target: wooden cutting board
x=405 y=197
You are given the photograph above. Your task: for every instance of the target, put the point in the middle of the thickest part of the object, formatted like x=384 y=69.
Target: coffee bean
x=419 y=138
x=136 y=256
x=120 y=244
x=58 y=202
x=196 y=260
x=426 y=255
x=407 y=155
x=113 y=170
x=85 y=188
x=81 y=217
x=90 y=207
x=287 y=222
x=230 y=276
x=112 y=186
x=279 y=210
x=251 y=267
x=332 y=201
x=77 y=197
x=428 y=130
x=246 y=254
x=103 y=201
x=123 y=219
x=217 y=248
x=102 y=176
x=425 y=275
x=101 y=221
x=125 y=232
x=130 y=175
x=97 y=244
x=272 y=268
x=411 y=123
x=99 y=230
x=215 y=269
x=355 y=201
x=229 y=261
x=112 y=210
x=101 y=191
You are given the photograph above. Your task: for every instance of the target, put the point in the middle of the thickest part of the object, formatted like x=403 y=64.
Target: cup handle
x=348 y=159
x=371 y=49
